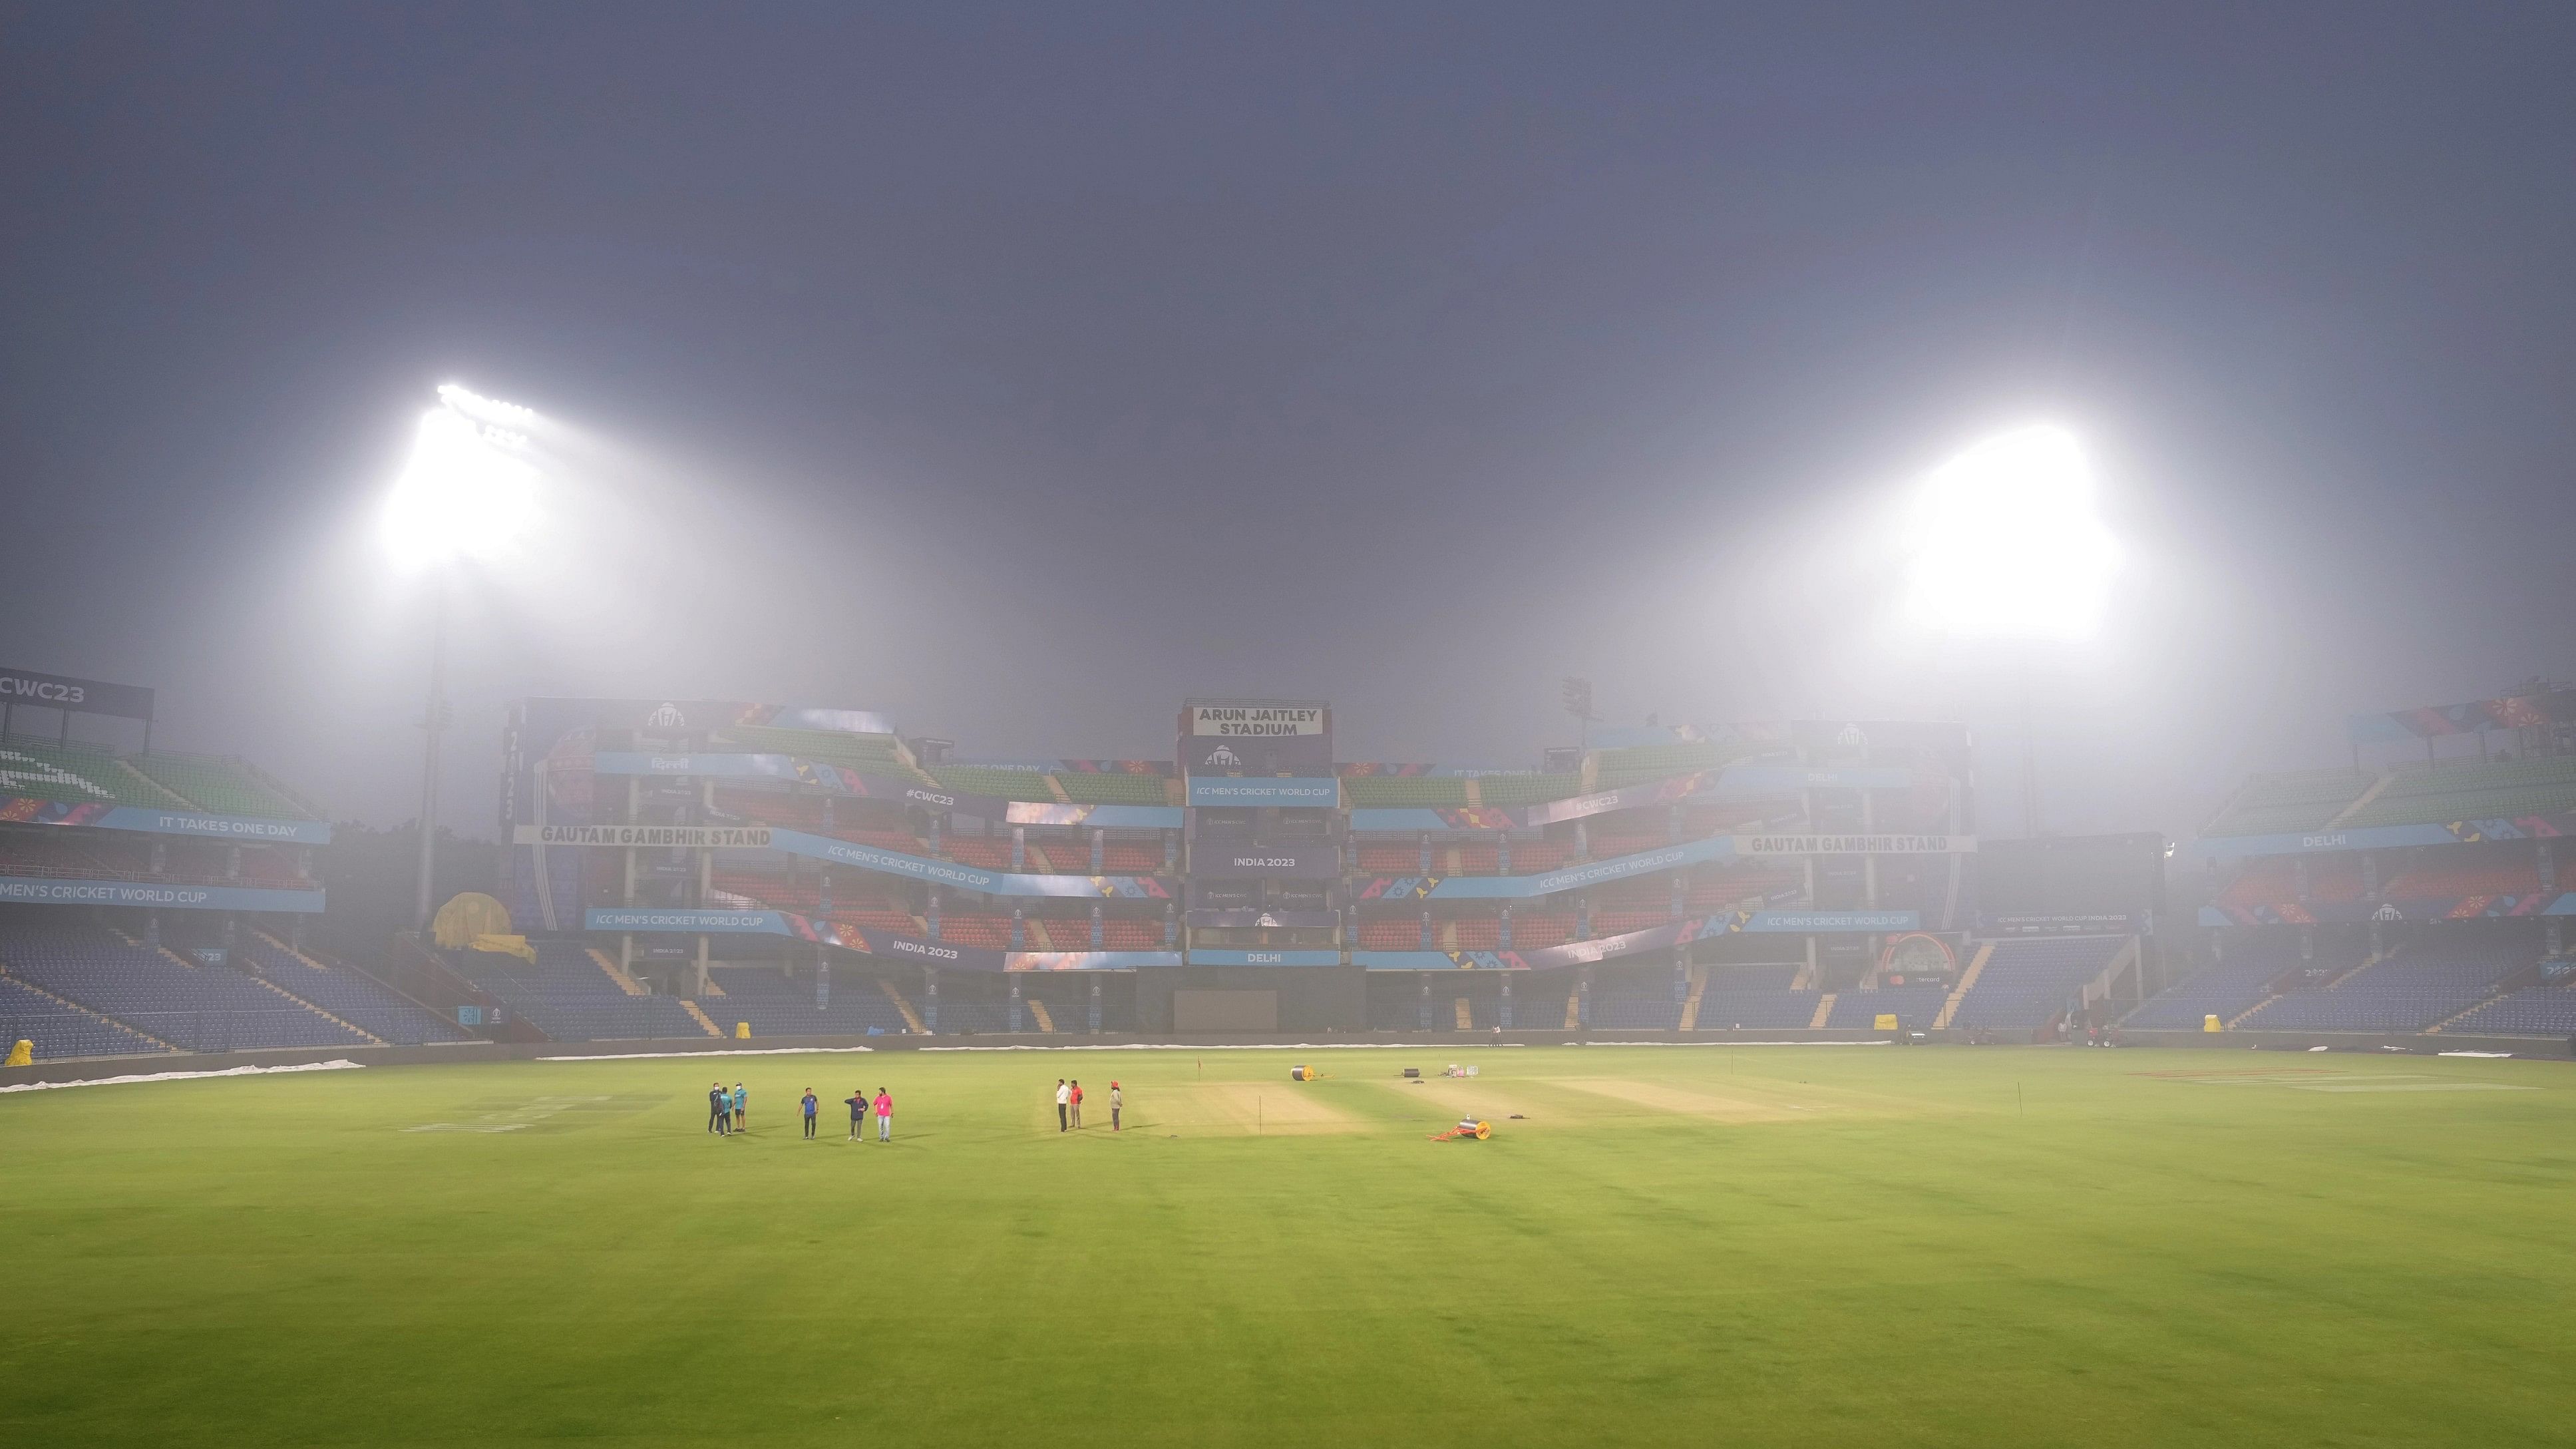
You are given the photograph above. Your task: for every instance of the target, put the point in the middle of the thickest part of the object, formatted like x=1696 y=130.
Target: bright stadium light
x=468 y=491
x=2006 y=543
x=2006 y=547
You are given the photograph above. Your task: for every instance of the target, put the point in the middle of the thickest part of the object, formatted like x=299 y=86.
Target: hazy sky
x=1017 y=372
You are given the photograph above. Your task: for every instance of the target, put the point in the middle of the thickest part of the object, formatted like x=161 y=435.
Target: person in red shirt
x=1075 y=1101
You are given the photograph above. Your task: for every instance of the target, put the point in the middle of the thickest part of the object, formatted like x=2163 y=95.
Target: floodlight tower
x=468 y=491
x=2007 y=547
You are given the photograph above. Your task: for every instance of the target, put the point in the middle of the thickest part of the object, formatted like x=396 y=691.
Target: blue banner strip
x=2374 y=837
x=42 y=891
x=689 y=922
x=965 y=877
x=1409 y=960
x=1200 y=957
x=1205 y=790
x=1523 y=887
x=1089 y=960
x=239 y=829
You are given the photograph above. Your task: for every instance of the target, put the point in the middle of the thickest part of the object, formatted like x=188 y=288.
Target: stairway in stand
x=1967 y=979
x=911 y=1019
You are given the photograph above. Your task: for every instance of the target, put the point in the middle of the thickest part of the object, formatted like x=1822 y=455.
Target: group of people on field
x=1068 y=1105
x=725 y=1110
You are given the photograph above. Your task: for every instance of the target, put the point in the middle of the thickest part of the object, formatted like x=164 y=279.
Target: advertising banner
x=1294 y=862
x=2096 y=923
x=1630 y=943
x=686 y=921
x=1089 y=960
x=1758 y=845
x=675 y=837
x=1200 y=956
x=1573 y=877
x=1626 y=797
x=2384 y=837
x=1323 y=791
x=20 y=809
x=885 y=944
x=37 y=890
x=1411 y=819
x=1102 y=817
x=966 y=877
x=77 y=696
x=1213 y=916
x=1760 y=780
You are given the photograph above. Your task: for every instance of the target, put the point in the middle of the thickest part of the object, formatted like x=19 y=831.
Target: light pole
x=467 y=492
x=2007 y=547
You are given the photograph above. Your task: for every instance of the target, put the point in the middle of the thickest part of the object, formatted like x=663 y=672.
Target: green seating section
x=2297 y=800
x=219 y=786
x=81 y=776
x=1527 y=789
x=2473 y=792
x=1653 y=761
x=872 y=753
x=1384 y=792
x=1092 y=788
x=1006 y=783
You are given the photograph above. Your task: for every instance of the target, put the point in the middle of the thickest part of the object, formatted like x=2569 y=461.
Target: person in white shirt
x=1063 y=1104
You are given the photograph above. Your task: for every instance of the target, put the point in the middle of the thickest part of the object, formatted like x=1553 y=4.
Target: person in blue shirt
x=718 y=1106
x=811 y=1102
x=739 y=1098
x=858 y=1100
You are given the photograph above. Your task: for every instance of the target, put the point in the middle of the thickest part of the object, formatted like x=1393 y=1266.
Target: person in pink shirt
x=885 y=1115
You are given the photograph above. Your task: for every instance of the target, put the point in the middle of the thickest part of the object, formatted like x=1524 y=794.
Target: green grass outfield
x=1806 y=1246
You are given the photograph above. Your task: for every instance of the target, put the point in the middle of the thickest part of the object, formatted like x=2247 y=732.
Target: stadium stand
x=195 y=1008
x=2414 y=987
x=220 y=786
x=57 y=1029
x=2032 y=982
x=2546 y=1010
x=349 y=996
x=1100 y=787
x=79 y=776
x=2298 y=800
x=1914 y=1007
x=569 y=998
x=1755 y=996
x=2228 y=990
x=2471 y=792
x=1381 y=792
x=2410 y=794
x=1636 y=1001
x=2452 y=873
x=779 y=1005
x=1004 y=783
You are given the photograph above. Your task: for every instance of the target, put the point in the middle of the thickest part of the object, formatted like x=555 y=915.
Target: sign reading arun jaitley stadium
x=1254 y=720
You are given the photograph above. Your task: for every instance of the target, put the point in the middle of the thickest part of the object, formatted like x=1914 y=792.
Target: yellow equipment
x=466 y=915
x=1476 y=1129
x=22 y=1053
x=2211 y=1023
x=1886 y=1022
x=1304 y=1074
x=742 y=1031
